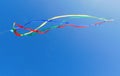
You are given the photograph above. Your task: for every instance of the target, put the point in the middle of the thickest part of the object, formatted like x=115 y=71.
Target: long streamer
x=36 y=30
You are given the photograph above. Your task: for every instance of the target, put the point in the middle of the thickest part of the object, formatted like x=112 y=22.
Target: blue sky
x=92 y=51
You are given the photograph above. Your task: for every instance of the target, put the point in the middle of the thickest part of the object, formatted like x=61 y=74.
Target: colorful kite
x=64 y=23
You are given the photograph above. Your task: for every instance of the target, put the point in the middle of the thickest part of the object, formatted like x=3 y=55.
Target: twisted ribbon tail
x=72 y=25
x=16 y=33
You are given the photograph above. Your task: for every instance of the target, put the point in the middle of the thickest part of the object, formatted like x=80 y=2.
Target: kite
x=63 y=24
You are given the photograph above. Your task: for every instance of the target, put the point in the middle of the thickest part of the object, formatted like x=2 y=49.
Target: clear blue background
x=92 y=51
